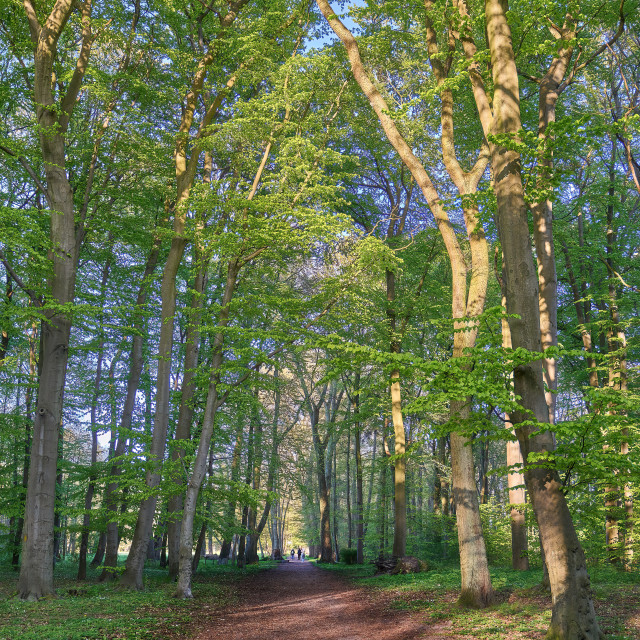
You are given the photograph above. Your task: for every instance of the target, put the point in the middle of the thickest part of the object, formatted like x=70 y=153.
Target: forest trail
x=298 y=601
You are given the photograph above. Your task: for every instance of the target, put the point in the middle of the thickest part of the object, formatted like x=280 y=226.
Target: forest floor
x=302 y=601
x=298 y=601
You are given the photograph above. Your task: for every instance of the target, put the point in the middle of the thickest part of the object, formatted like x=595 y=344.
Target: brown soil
x=298 y=601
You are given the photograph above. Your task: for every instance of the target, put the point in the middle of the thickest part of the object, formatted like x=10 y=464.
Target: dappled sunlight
x=302 y=602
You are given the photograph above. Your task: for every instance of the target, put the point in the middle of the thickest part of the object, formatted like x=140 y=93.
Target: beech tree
x=476 y=583
x=53 y=112
x=573 y=615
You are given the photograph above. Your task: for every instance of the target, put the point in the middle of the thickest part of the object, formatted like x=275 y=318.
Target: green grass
x=522 y=609
x=93 y=611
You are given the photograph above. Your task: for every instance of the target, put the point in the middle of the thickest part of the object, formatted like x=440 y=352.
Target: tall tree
x=573 y=615
x=186 y=162
x=53 y=113
x=476 y=583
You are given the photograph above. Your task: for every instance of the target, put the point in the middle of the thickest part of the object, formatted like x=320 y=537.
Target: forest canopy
x=352 y=276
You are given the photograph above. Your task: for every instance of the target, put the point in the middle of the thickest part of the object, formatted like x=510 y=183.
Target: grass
x=94 y=611
x=522 y=609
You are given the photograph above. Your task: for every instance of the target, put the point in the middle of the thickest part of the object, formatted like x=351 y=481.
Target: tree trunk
x=230 y=510
x=100 y=549
x=93 y=477
x=358 y=456
x=484 y=469
x=515 y=480
x=199 y=547
x=400 y=462
x=617 y=377
x=199 y=468
x=334 y=483
x=382 y=497
x=33 y=363
x=132 y=576
x=185 y=414
x=573 y=615
x=399 y=494
x=36 y=570
x=348 y=492
x=120 y=437
x=252 y=551
x=323 y=498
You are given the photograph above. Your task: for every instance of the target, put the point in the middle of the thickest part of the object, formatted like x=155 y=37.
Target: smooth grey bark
x=515 y=483
x=36 y=570
x=198 y=470
x=186 y=166
x=573 y=615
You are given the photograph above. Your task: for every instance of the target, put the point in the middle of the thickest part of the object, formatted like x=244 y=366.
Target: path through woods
x=298 y=601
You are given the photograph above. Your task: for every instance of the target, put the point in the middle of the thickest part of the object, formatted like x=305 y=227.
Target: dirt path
x=298 y=601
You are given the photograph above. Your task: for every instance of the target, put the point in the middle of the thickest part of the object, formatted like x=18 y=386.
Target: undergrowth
x=522 y=608
x=102 y=611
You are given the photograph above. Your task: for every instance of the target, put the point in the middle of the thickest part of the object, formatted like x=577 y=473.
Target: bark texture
x=36 y=571
x=199 y=468
x=573 y=615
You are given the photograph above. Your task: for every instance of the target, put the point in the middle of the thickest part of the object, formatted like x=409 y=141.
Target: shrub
x=348 y=556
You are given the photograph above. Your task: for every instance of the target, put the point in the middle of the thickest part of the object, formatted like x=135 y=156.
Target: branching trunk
x=573 y=615
x=36 y=570
x=466 y=184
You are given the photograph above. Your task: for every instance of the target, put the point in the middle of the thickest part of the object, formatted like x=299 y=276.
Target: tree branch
x=29 y=169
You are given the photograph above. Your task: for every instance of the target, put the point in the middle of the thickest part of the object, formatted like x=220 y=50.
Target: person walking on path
x=293 y=553
x=299 y=552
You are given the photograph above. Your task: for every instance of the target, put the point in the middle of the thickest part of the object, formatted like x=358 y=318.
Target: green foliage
x=348 y=556
x=83 y=611
x=521 y=609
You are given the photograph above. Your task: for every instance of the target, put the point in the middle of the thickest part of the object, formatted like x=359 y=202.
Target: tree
x=53 y=114
x=186 y=165
x=573 y=615
x=476 y=583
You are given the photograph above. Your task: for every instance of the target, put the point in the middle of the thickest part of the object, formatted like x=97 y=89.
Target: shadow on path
x=298 y=601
